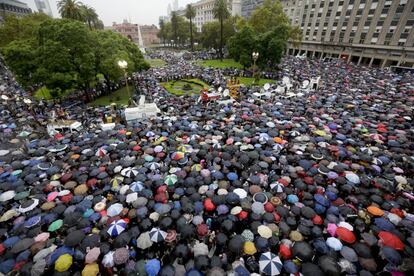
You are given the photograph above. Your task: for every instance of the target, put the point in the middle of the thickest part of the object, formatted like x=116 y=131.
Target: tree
x=221 y=13
x=267 y=16
x=242 y=45
x=174 y=26
x=24 y=28
x=190 y=13
x=89 y=16
x=70 y=9
x=209 y=38
x=161 y=33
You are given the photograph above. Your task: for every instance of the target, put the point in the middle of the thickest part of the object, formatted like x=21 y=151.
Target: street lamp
x=123 y=65
x=255 y=56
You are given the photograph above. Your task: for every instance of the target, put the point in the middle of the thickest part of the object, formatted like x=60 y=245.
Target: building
x=204 y=11
x=44 y=7
x=129 y=30
x=370 y=32
x=149 y=34
x=13 y=7
x=248 y=6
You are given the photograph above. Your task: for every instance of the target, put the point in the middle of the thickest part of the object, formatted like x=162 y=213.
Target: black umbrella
x=181 y=251
x=202 y=262
x=74 y=238
x=311 y=269
x=303 y=251
x=236 y=244
x=329 y=265
x=22 y=245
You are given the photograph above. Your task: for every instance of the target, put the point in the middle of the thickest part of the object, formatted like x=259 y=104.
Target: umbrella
x=391 y=240
x=121 y=255
x=92 y=255
x=334 y=243
x=28 y=205
x=56 y=225
x=90 y=270
x=270 y=264
x=129 y=172
x=6 y=196
x=144 y=241
x=22 y=245
x=114 y=210
x=153 y=166
x=264 y=231
x=116 y=227
x=171 y=179
x=345 y=235
x=63 y=263
x=157 y=235
x=152 y=267
x=74 y=238
x=108 y=259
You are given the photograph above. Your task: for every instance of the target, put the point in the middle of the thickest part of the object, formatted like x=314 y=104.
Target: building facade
x=248 y=6
x=204 y=11
x=13 y=7
x=44 y=7
x=370 y=32
x=149 y=34
x=127 y=29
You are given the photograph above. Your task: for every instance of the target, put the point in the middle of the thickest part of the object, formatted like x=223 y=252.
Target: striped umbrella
x=185 y=148
x=270 y=264
x=277 y=187
x=196 y=168
x=153 y=166
x=129 y=172
x=101 y=152
x=157 y=235
x=171 y=179
x=116 y=227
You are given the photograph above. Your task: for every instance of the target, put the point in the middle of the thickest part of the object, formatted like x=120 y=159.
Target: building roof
x=14 y=3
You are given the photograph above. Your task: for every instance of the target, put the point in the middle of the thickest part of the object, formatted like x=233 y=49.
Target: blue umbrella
x=241 y=271
x=217 y=175
x=32 y=221
x=290 y=267
x=292 y=198
x=321 y=200
x=11 y=241
x=384 y=224
x=7 y=266
x=232 y=176
x=152 y=267
x=270 y=264
x=117 y=227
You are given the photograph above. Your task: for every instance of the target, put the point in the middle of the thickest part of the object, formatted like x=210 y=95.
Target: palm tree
x=174 y=26
x=190 y=13
x=70 y=9
x=89 y=16
x=221 y=13
x=161 y=33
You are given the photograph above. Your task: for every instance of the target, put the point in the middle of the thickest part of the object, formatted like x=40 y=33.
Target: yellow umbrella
x=63 y=263
x=196 y=168
x=320 y=132
x=249 y=248
x=90 y=270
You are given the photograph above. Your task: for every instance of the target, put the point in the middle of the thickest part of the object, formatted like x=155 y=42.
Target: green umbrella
x=171 y=179
x=21 y=195
x=148 y=158
x=55 y=225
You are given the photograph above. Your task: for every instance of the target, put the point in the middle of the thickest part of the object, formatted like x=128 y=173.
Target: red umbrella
x=345 y=234
x=391 y=240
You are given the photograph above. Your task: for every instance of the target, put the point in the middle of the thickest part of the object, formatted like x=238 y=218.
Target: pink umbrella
x=42 y=237
x=331 y=229
x=230 y=141
x=92 y=255
x=52 y=196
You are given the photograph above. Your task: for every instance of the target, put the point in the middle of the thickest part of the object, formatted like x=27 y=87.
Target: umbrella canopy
x=116 y=227
x=157 y=235
x=391 y=240
x=270 y=264
x=144 y=241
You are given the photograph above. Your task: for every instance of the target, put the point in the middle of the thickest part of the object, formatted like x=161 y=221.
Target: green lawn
x=249 y=81
x=156 y=62
x=216 y=63
x=120 y=97
x=176 y=87
x=42 y=93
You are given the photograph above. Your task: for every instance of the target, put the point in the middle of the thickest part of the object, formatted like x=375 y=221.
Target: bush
x=187 y=87
x=118 y=98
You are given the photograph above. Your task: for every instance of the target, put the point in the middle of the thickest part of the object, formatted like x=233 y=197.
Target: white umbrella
x=144 y=241
x=114 y=210
x=264 y=231
x=131 y=197
x=129 y=172
x=157 y=235
x=334 y=243
x=108 y=259
x=240 y=192
x=28 y=205
x=270 y=264
x=116 y=227
x=7 y=195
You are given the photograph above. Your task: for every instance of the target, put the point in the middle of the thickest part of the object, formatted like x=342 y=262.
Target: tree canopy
x=65 y=54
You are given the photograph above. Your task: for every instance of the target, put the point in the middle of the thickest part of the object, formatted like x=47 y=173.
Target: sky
x=136 y=11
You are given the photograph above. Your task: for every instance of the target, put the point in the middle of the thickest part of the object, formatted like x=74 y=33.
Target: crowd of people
x=317 y=182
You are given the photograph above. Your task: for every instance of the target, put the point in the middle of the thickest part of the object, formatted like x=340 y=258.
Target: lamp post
x=255 y=56
x=123 y=65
